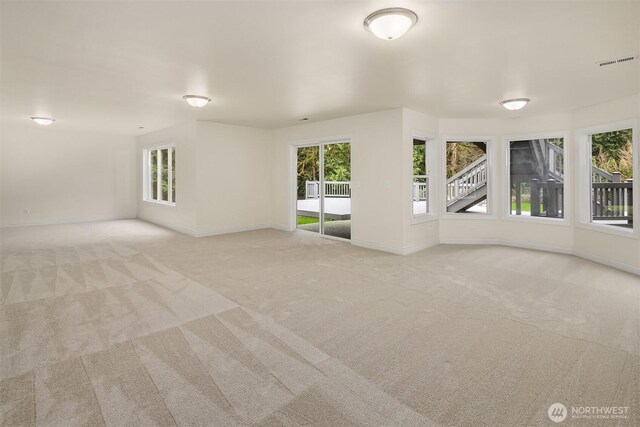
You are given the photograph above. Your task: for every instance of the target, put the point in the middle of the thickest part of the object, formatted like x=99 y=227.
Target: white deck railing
x=331 y=189
x=420 y=191
x=612 y=200
x=467 y=180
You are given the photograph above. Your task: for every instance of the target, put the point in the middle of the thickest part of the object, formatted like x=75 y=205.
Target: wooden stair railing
x=467 y=180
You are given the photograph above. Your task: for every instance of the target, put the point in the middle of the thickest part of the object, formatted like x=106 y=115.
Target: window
x=612 y=178
x=160 y=176
x=467 y=186
x=536 y=177
x=420 y=189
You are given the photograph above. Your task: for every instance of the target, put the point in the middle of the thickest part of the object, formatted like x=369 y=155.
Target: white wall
x=233 y=173
x=566 y=236
x=65 y=176
x=233 y=178
x=419 y=232
x=456 y=228
x=618 y=250
x=377 y=175
x=223 y=178
x=183 y=216
x=381 y=182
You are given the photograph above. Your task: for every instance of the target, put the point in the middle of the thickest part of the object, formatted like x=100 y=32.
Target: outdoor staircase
x=539 y=163
x=468 y=187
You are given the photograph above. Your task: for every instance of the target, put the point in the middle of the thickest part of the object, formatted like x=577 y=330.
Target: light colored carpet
x=126 y=323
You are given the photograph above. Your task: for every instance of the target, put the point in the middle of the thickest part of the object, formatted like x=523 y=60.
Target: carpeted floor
x=126 y=323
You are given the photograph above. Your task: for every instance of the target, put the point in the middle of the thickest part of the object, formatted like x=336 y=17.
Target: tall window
x=420 y=189
x=161 y=177
x=536 y=177
x=467 y=185
x=612 y=178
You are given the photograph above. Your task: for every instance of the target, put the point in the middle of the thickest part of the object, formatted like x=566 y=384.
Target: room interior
x=189 y=292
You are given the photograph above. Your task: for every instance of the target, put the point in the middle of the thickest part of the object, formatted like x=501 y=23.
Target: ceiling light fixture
x=515 y=104
x=392 y=23
x=196 y=100
x=44 y=121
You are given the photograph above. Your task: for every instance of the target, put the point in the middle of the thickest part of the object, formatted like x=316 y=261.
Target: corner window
x=420 y=187
x=536 y=177
x=160 y=177
x=467 y=186
x=612 y=178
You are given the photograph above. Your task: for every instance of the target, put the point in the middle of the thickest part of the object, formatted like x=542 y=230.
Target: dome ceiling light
x=390 y=24
x=196 y=100
x=43 y=121
x=515 y=104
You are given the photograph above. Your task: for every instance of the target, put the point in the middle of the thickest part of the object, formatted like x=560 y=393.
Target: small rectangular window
x=612 y=178
x=467 y=185
x=160 y=178
x=420 y=189
x=536 y=177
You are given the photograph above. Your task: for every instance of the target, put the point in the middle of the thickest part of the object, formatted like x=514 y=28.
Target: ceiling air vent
x=616 y=61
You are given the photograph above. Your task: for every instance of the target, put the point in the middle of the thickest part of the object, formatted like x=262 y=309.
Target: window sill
x=156 y=202
x=629 y=233
x=539 y=220
x=468 y=216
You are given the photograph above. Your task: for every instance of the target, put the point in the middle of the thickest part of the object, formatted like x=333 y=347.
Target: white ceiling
x=114 y=66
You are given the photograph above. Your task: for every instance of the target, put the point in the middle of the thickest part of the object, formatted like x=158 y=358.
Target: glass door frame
x=321 y=143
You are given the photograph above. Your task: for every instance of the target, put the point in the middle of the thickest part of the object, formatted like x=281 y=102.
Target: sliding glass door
x=337 y=190
x=308 y=189
x=323 y=189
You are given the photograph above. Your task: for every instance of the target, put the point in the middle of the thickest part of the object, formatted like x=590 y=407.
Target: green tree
x=462 y=154
x=337 y=165
x=613 y=152
x=419 y=158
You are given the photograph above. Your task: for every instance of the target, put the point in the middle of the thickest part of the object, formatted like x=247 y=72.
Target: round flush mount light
x=196 y=100
x=515 y=104
x=44 y=121
x=390 y=24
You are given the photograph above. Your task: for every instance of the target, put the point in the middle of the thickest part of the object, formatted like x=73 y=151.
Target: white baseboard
x=377 y=246
x=608 y=262
x=547 y=248
x=411 y=249
x=179 y=229
x=469 y=242
x=211 y=232
x=281 y=227
x=229 y=230
x=534 y=246
x=65 y=221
